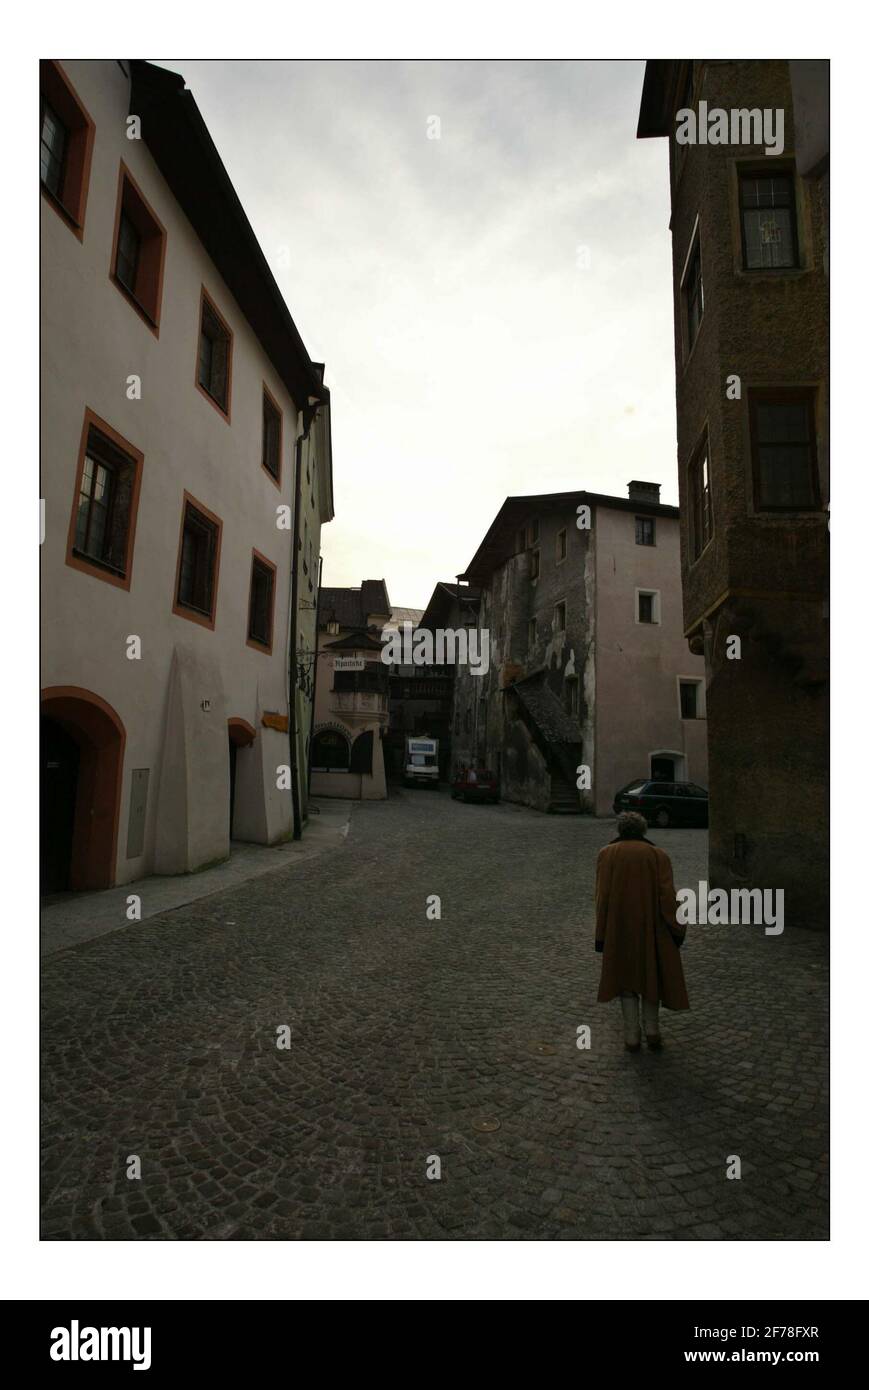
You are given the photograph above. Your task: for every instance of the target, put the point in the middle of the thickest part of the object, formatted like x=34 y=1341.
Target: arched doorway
x=330 y=751
x=667 y=765
x=81 y=767
x=241 y=735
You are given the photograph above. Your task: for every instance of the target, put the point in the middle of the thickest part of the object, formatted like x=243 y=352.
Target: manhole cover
x=486 y=1126
x=542 y=1049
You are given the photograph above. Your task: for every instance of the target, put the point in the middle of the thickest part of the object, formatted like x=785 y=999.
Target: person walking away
x=637 y=932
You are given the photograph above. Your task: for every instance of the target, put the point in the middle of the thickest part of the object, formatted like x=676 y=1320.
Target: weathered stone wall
x=510 y=600
x=768 y=732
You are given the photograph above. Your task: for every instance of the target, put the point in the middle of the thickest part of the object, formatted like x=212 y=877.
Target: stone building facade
x=580 y=595
x=186 y=472
x=750 y=291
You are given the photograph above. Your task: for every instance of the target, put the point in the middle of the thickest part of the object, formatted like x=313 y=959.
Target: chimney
x=644 y=492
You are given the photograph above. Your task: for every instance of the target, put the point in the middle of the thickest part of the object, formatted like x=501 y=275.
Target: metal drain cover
x=486 y=1126
x=542 y=1049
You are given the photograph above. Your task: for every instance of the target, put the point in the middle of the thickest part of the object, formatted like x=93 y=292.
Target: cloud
x=487 y=304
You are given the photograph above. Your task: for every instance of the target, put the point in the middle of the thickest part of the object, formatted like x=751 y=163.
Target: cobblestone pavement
x=408 y=1035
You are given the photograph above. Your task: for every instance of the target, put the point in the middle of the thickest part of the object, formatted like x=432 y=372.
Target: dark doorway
x=58 y=783
x=241 y=735
x=233 y=756
x=663 y=769
x=80 y=775
x=362 y=753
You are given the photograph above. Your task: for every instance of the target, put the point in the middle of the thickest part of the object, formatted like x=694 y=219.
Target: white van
x=420 y=762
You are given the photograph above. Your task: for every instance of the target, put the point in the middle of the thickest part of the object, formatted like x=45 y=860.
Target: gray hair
x=631 y=825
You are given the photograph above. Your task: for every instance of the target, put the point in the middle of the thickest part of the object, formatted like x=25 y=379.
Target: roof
x=545 y=710
x=659 y=96
x=443 y=600
x=404 y=615
x=353 y=607
x=178 y=139
x=499 y=542
x=360 y=640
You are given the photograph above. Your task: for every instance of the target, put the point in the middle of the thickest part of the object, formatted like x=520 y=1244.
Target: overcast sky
x=493 y=307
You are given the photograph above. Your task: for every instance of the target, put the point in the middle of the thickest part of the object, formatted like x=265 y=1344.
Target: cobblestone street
x=408 y=1035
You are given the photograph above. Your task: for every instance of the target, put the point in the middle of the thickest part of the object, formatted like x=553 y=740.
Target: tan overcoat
x=636 y=921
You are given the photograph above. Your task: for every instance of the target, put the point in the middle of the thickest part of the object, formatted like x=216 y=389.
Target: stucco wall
x=637 y=665
x=92 y=339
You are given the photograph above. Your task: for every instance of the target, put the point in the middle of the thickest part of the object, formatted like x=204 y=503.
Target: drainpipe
x=307 y=418
x=316 y=664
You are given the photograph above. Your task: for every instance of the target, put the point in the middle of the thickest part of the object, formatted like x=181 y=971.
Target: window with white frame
x=692 y=697
x=647 y=606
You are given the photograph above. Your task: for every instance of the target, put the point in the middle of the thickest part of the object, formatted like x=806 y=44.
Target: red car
x=475 y=784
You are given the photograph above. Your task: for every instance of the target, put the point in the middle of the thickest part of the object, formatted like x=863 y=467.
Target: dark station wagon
x=665 y=803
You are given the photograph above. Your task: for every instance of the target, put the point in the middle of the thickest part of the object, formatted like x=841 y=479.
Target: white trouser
x=631 y=1016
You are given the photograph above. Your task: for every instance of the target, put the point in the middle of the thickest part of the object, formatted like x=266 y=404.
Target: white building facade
x=186 y=466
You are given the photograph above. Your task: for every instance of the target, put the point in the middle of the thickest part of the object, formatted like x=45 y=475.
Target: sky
x=493 y=306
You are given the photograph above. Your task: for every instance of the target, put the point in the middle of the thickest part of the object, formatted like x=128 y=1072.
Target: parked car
x=475 y=784
x=665 y=803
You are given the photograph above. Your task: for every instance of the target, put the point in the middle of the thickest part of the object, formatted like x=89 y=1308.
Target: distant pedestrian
x=637 y=932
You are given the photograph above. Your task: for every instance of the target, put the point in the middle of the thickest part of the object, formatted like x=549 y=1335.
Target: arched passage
x=241 y=735
x=330 y=751
x=81 y=771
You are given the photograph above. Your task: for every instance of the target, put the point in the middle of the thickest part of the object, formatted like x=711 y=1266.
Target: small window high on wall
x=139 y=251
x=66 y=138
x=214 y=360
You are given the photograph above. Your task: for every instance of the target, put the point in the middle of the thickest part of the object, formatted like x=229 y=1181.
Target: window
x=214 y=362
x=768 y=217
x=53 y=140
x=532 y=631
x=784 y=457
x=700 y=521
x=534 y=533
x=372 y=681
x=330 y=752
x=139 y=251
x=560 y=546
x=198 y=562
x=129 y=246
x=262 y=602
x=104 y=508
x=520 y=541
x=571 y=697
x=644 y=532
x=272 y=430
x=688 y=699
x=648 y=606
x=692 y=294
x=535 y=564
x=692 y=700
x=560 y=622
x=66 y=138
